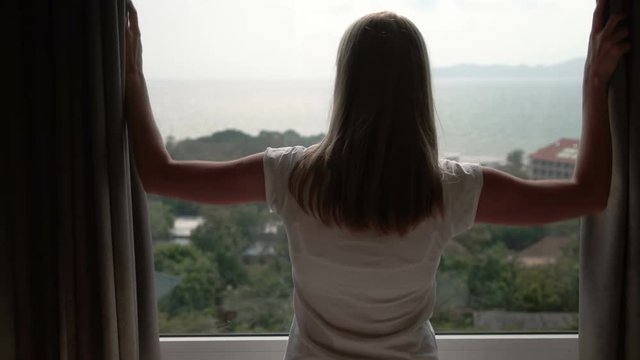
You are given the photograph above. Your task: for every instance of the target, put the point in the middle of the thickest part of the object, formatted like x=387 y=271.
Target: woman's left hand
x=608 y=42
x=134 y=45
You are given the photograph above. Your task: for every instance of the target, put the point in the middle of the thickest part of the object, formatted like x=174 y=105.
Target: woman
x=369 y=209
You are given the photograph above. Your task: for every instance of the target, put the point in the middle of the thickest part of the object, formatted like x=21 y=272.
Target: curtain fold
x=76 y=256
x=610 y=244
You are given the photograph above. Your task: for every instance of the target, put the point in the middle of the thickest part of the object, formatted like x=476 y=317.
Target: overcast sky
x=256 y=39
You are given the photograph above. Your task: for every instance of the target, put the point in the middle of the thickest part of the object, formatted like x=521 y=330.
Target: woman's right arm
x=508 y=200
x=212 y=182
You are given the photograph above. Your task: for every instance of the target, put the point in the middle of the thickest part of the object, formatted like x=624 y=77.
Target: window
x=228 y=79
x=450 y=347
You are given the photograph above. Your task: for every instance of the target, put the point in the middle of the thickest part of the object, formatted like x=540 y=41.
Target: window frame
x=451 y=347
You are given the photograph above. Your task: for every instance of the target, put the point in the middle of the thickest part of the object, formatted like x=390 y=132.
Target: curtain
x=76 y=268
x=610 y=245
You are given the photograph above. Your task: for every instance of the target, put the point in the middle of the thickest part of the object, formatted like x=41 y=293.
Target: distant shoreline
x=572 y=68
x=569 y=69
x=475 y=116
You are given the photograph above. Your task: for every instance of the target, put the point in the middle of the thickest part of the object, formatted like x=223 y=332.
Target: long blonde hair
x=377 y=168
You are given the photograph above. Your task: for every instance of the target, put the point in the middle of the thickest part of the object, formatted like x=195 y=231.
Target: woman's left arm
x=223 y=182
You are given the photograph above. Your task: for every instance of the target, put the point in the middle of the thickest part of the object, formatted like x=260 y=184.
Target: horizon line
x=330 y=78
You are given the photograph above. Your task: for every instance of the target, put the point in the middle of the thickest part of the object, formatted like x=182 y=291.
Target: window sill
x=451 y=347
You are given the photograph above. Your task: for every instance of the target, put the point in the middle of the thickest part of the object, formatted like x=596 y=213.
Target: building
x=164 y=283
x=544 y=252
x=183 y=226
x=555 y=161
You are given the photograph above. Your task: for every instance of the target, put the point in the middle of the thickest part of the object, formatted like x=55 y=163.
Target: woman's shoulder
x=462 y=185
x=455 y=171
x=286 y=152
x=278 y=164
x=281 y=159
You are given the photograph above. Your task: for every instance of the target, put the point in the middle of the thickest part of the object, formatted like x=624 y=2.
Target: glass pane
x=228 y=79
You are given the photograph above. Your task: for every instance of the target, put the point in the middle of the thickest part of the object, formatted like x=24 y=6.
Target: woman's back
x=365 y=295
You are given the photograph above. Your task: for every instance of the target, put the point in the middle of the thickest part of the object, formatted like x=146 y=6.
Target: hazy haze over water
x=477 y=117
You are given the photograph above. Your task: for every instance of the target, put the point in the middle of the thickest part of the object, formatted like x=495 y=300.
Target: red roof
x=564 y=150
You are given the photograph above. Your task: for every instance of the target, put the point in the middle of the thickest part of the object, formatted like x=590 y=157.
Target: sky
x=287 y=39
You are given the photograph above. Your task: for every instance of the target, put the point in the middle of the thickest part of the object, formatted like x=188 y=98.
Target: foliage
x=516 y=237
x=496 y=281
x=491 y=280
x=515 y=159
x=564 y=228
x=219 y=233
x=264 y=305
x=179 y=207
x=223 y=289
x=249 y=297
x=515 y=164
x=200 y=281
x=160 y=219
x=200 y=322
x=233 y=144
x=221 y=238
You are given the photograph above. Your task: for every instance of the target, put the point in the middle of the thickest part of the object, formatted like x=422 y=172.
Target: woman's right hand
x=134 y=45
x=607 y=43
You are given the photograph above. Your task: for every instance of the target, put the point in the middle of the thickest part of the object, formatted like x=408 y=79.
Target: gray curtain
x=610 y=248
x=76 y=268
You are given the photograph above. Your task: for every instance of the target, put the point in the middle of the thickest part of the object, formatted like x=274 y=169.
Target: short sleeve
x=277 y=164
x=462 y=185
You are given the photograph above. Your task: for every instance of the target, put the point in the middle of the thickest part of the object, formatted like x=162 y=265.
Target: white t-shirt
x=364 y=295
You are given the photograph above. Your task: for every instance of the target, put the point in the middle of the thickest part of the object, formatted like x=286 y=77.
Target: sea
x=478 y=119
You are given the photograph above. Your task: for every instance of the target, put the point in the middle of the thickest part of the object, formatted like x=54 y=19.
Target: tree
x=551 y=287
x=250 y=219
x=264 y=304
x=221 y=237
x=160 y=220
x=492 y=280
x=516 y=237
x=188 y=323
x=200 y=285
x=232 y=144
x=177 y=207
x=564 y=228
x=515 y=164
x=515 y=159
x=476 y=239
